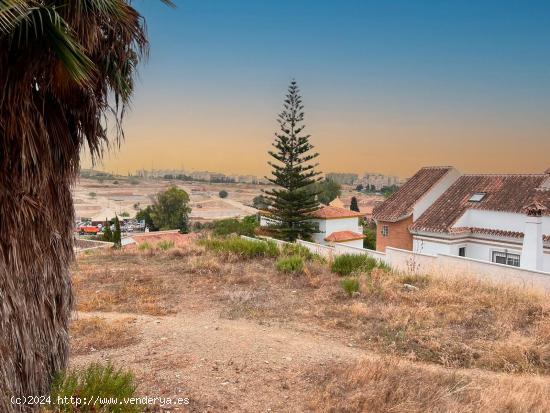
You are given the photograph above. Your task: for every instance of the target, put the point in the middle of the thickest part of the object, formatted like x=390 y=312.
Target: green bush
x=290 y=264
x=347 y=264
x=350 y=285
x=96 y=381
x=144 y=246
x=241 y=247
x=229 y=226
x=300 y=250
x=165 y=245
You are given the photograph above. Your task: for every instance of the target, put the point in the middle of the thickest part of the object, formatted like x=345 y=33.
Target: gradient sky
x=388 y=86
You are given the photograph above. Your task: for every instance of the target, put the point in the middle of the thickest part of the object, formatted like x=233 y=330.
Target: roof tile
x=400 y=204
x=341 y=236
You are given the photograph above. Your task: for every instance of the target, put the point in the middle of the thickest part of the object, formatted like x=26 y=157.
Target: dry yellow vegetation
x=456 y=345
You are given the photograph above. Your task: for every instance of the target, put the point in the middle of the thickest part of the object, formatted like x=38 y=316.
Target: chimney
x=532 y=251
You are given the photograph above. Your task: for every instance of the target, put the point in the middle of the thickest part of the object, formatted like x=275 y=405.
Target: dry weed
x=401 y=387
x=95 y=333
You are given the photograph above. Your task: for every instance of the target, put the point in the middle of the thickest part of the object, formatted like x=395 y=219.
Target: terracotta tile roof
x=489 y=231
x=330 y=212
x=401 y=203
x=341 y=236
x=505 y=193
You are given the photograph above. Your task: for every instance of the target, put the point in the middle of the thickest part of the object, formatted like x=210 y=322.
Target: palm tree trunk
x=36 y=249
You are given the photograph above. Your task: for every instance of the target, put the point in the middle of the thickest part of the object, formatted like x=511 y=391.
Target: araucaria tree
x=66 y=69
x=292 y=202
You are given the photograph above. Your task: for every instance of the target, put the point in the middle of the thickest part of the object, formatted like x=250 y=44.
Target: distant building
x=379 y=181
x=499 y=218
x=343 y=178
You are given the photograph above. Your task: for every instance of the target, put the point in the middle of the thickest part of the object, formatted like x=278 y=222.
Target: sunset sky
x=388 y=86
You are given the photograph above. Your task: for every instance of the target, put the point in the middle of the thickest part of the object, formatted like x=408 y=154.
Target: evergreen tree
x=184 y=224
x=292 y=202
x=107 y=234
x=116 y=238
x=354 y=206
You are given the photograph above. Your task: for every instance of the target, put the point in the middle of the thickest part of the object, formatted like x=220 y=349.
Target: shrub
x=165 y=245
x=97 y=380
x=125 y=214
x=241 y=247
x=290 y=264
x=144 y=246
x=223 y=194
x=349 y=263
x=300 y=250
x=350 y=285
x=229 y=226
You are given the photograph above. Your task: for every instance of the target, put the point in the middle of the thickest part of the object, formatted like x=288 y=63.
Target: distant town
x=369 y=181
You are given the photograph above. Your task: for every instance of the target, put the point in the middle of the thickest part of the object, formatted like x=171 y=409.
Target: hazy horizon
x=387 y=88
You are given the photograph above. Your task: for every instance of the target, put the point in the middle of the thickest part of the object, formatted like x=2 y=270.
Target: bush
x=291 y=264
x=229 y=226
x=223 y=194
x=350 y=285
x=104 y=381
x=165 y=245
x=347 y=264
x=300 y=250
x=144 y=246
x=241 y=247
x=125 y=214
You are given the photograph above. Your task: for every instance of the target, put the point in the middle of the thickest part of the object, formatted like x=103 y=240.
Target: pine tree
x=293 y=201
x=354 y=206
x=107 y=234
x=116 y=238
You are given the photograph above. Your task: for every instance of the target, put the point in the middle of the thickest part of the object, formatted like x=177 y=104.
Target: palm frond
x=11 y=13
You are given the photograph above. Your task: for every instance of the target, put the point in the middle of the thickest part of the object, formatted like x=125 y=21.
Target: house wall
x=399 y=235
x=475 y=249
x=356 y=243
x=328 y=226
x=508 y=221
x=435 y=192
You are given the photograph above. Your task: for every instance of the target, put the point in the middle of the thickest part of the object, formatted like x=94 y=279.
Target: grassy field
x=443 y=346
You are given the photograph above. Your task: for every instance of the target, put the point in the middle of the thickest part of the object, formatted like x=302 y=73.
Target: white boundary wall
x=445 y=265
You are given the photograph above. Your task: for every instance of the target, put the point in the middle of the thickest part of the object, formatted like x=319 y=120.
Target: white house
x=499 y=218
x=335 y=226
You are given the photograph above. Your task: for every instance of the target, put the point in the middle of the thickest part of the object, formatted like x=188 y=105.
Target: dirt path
x=222 y=364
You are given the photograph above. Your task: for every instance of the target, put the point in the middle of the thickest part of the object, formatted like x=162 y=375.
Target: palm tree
x=66 y=74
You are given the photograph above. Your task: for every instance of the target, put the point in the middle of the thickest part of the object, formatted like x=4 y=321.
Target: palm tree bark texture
x=66 y=74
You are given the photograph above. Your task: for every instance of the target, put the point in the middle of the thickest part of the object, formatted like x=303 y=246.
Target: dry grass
x=454 y=323
x=402 y=387
x=95 y=333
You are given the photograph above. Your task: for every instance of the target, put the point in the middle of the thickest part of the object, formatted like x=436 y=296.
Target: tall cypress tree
x=291 y=203
x=116 y=238
x=354 y=205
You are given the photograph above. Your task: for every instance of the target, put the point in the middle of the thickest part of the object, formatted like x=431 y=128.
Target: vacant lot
x=234 y=334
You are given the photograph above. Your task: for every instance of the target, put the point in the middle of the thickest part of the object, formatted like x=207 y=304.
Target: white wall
x=435 y=192
x=342 y=224
x=442 y=265
x=328 y=226
x=507 y=221
x=475 y=249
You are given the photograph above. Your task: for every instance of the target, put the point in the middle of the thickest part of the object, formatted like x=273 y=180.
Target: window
x=462 y=252
x=503 y=257
x=477 y=197
x=385 y=231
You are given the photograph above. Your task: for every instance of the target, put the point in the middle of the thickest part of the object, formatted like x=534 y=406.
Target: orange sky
x=232 y=144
